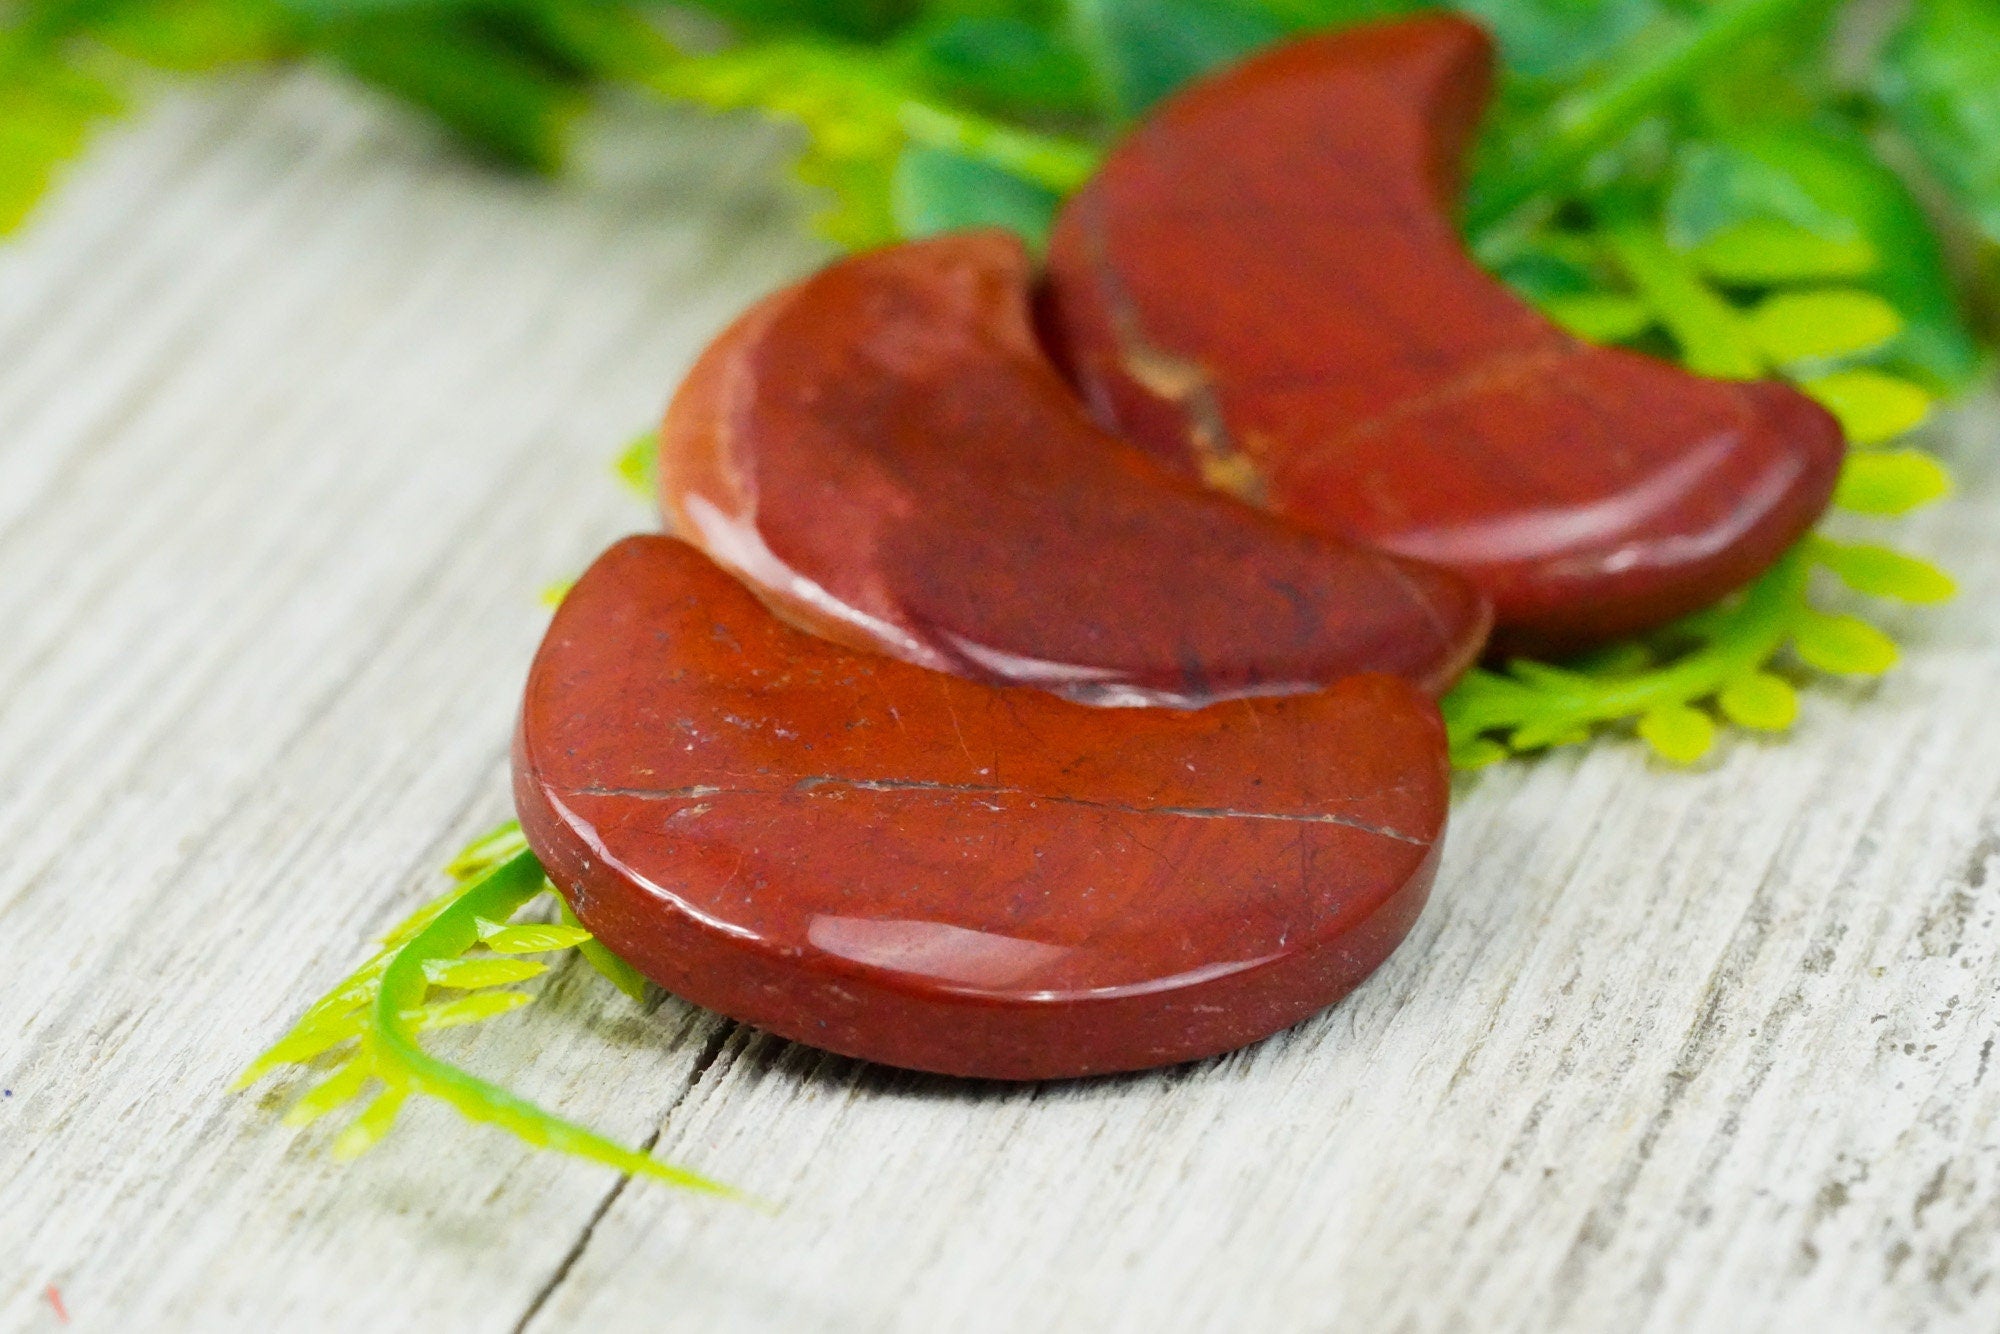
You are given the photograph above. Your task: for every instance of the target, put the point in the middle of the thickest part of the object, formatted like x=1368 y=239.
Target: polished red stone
x=1264 y=285
x=887 y=457
x=900 y=865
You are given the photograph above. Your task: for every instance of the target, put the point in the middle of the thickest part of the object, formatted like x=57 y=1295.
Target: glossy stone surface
x=900 y=865
x=887 y=457
x=1264 y=285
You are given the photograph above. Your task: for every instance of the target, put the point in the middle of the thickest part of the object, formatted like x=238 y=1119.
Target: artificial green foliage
x=1677 y=732
x=1731 y=657
x=1759 y=251
x=1872 y=407
x=1821 y=178
x=1601 y=317
x=1891 y=482
x=1543 y=146
x=861 y=114
x=1941 y=80
x=360 y=1039
x=1714 y=337
x=1810 y=318
x=1791 y=328
x=1001 y=64
x=849 y=106
x=193 y=36
x=936 y=190
x=1728 y=662
x=481 y=88
x=1759 y=701
x=1842 y=644
x=1883 y=572
x=1141 y=50
x=1548 y=41
x=47 y=110
x=637 y=465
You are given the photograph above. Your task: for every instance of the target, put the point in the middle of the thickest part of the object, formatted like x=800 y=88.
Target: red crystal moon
x=884 y=453
x=896 y=864
x=1264 y=285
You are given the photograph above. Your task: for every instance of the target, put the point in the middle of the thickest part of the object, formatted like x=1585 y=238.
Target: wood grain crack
x=581 y=1244
x=711 y=1051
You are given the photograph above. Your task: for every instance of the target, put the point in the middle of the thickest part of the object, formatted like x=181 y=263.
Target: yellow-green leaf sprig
x=1729 y=662
x=362 y=1035
x=1720 y=661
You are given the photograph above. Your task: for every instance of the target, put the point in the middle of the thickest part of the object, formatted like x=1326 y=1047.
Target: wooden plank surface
x=298 y=412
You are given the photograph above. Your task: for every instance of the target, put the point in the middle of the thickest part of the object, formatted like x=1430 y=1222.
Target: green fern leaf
x=500 y=844
x=1764 y=251
x=1884 y=572
x=368 y=1127
x=1601 y=317
x=338 y=1089
x=472 y=974
x=1872 y=407
x=860 y=113
x=1714 y=338
x=1759 y=701
x=1794 y=327
x=1841 y=644
x=532 y=938
x=304 y=1044
x=608 y=965
x=465 y=1010
x=47 y=112
x=1677 y=733
x=1890 y=482
x=384 y=1003
x=1477 y=753
x=638 y=464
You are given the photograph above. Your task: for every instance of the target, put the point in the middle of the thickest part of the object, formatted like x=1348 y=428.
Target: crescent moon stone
x=884 y=453
x=1264 y=286
x=904 y=866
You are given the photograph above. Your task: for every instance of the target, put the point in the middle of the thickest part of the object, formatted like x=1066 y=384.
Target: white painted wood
x=297 y=413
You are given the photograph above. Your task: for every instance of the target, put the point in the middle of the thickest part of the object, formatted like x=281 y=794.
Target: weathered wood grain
x=297 y=413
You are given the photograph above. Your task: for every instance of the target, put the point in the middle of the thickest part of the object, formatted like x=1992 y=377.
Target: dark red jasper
x=886 y=456
x=900 y=865
x=1264 y=286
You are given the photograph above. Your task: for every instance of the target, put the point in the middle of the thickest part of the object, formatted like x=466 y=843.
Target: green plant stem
x=1711 y=334
x=802 y=74
x=1061 y=165
x=1590 y=120
x=1737 y=640
x=494 y=897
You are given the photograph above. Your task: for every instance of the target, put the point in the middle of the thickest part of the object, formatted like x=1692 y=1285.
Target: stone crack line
x=813 y=781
